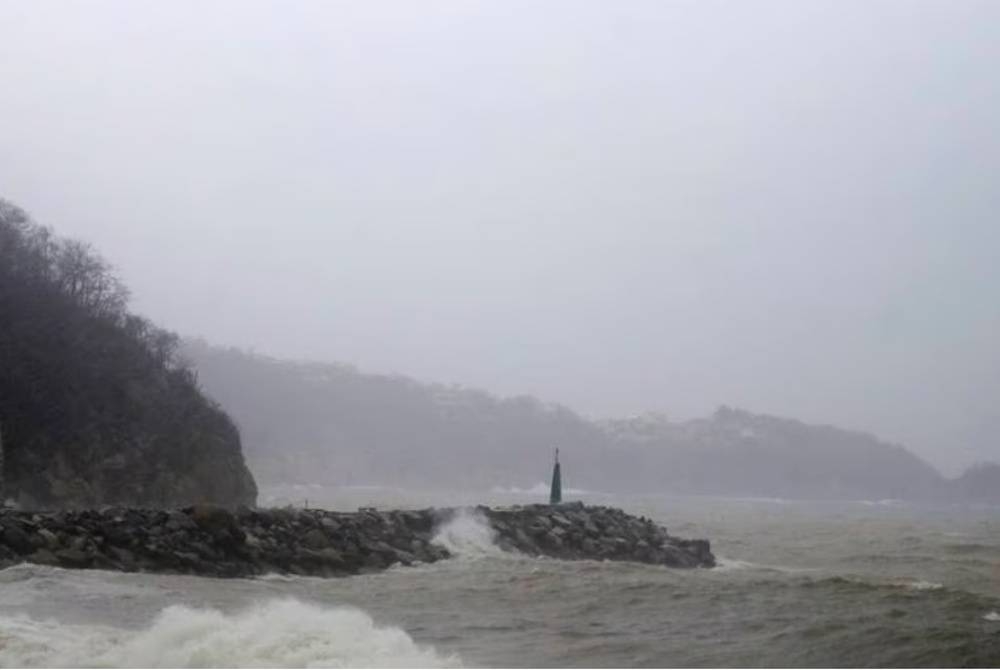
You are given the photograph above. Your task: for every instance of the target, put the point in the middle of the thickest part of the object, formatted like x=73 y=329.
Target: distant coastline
x=333 y=425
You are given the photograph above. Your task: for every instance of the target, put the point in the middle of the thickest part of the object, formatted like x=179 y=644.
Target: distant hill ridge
x=331 y=424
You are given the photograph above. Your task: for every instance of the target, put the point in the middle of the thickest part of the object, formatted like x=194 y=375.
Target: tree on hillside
x=94 y=404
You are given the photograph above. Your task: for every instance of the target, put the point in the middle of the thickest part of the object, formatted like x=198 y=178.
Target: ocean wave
x=968 y=548
x=468 y=535
x=730 y=564
x=862 y=583
x=275 y=633
x=920 y=585
x=991 y=616
x=723 y=564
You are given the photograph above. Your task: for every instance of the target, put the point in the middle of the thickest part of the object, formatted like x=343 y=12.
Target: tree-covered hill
x=304 y=422
x=330 y=424
x=94 y=407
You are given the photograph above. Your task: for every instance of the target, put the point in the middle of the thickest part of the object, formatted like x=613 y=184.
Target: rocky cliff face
x=94 y=407
x=196 y=460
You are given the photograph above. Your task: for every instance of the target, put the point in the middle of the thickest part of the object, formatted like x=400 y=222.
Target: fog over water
x=783 y=206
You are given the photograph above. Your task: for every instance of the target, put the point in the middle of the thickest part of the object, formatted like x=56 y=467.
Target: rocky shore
x=212 y=541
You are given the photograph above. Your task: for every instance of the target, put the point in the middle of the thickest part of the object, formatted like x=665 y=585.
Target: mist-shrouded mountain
x=306 y=422
x=980 y=483
x=735 y=451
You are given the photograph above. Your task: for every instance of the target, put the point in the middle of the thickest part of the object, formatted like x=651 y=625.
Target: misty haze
x=307 y=290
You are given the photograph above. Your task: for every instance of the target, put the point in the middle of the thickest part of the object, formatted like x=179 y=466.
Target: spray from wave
x=733 y=564
x=468 y=535
x=277 y=633
x=919 y=585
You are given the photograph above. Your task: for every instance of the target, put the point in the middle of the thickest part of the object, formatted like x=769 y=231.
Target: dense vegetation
x=330 y=424
x=94 y=407
x=326 y=423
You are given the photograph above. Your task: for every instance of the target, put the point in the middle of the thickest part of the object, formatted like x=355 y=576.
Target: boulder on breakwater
x=574 y=531
x=212 y=541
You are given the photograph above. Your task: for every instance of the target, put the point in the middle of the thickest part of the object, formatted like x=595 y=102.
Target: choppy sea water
x=868 y=583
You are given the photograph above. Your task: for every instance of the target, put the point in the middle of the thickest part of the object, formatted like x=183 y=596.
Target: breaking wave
x=921 y=585
x=859 y=583
x=468 y=535
x=276 y=633
x=723 y=564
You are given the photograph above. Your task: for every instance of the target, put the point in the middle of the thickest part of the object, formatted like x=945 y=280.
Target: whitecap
x=468 y=534
x=922 y=585
x=275 y=633
x=723 y=564
x=729 y=564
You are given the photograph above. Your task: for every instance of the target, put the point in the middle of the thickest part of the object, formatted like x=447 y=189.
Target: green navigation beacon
x=555 y=495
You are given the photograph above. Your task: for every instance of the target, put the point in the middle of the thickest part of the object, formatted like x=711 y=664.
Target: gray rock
x=123 y=556
x=51 y=539
x=315 y=539
x=522 y=540
x=332 y=557
x=17 y=539
x=73 y=558
x=213 y=541
x=43 y=557
x=560 y=520
x=188 y=557
x=405 y=557
x=179 y=521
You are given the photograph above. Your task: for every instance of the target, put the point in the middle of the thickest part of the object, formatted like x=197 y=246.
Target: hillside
x=980 y=483
x=737 y=452
x=330 y=424
x=94 y=408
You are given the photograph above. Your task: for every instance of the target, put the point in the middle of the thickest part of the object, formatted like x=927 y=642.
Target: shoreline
x=217 y=542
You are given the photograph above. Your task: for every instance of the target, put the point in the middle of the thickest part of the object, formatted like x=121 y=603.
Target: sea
x=799 y=583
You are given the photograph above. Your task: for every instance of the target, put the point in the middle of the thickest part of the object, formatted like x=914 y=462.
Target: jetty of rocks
x=216 y=542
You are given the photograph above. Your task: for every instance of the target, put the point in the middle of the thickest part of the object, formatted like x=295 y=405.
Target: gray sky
x=623 y=206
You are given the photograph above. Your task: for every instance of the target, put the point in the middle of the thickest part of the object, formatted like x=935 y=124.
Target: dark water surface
x=803 y=584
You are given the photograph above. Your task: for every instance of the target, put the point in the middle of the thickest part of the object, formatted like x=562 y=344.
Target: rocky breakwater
x=216 y=542
x=574 y=531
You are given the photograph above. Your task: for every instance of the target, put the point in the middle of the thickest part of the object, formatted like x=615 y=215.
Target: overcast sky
x=790 y=207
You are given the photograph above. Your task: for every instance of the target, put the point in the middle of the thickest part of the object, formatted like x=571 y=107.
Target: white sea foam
x=276 y=633
x=732 y=564
x=992 y=616
x=468 y=535
x=916 y=585
x=886 y=502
